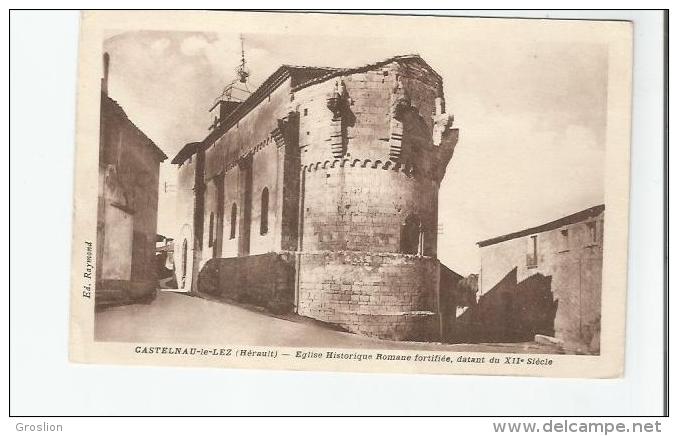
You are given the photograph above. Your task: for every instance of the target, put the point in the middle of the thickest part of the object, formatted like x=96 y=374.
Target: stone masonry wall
x=266 y=280
x=364 y=209
x=368 y=117
x=361 y=201
x=365 y=175
x=385 y=295
x=573 y=267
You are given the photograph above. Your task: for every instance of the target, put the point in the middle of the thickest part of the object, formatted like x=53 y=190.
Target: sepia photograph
x=352 y=214
x=259 y=195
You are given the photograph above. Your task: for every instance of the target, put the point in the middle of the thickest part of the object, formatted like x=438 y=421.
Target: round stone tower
x=374 y=145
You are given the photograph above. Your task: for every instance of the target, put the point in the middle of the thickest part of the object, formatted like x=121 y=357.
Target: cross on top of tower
x=242 y=71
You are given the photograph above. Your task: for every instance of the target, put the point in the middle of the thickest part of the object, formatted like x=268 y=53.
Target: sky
x=531 y=115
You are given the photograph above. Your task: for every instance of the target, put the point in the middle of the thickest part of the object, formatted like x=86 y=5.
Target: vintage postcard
x=346 y=192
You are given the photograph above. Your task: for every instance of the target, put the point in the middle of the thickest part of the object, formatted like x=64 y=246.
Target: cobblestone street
x=178 y=318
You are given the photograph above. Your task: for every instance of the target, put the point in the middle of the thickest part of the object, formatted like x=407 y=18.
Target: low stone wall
x=391 y=296
x=110 y=293
x=265 y=280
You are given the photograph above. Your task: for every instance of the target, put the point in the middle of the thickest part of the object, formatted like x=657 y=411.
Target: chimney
x=104 y=80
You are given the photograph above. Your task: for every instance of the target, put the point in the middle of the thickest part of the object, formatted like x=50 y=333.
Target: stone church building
x=318 y=194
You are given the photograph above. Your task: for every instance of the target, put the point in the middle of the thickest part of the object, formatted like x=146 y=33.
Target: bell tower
x=233 y=94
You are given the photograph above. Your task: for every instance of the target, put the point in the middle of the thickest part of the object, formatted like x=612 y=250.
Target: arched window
x=263 y=224
x=210 y=241
x=184 y=261
x=234 y=220
x=411 y=236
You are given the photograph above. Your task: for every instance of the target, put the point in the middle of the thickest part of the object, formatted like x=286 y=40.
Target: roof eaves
x=185 y=152
x=346 y=71
x=551 y=225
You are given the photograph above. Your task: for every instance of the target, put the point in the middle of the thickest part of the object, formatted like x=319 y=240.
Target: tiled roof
x=107 y=103
x=337 y=72
x=570 y=219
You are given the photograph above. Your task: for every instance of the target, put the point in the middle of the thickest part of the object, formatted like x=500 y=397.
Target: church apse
x=335 y=173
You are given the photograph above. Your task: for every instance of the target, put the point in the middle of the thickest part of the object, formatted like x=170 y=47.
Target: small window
x=592 y=233
x=531 y=257
x=263 y=224
x=564 y=241
x=234 y=220
x=210 y=241
x=305 y=112
x=411 y=236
